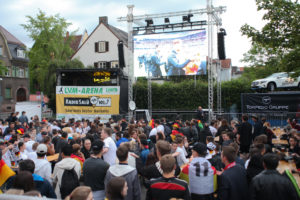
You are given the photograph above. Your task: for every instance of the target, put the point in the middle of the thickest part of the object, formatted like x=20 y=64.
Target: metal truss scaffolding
x=213 y=14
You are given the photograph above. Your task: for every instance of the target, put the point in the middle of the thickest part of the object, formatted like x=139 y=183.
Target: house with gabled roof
x=100 y=49
x=14 y=84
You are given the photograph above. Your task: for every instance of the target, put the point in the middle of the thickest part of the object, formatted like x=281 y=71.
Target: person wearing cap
x=201 y=174
x=42 y=166
x=94 y=170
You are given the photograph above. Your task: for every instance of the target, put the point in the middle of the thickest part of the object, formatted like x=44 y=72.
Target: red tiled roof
x=10 y=37
x=75 y=42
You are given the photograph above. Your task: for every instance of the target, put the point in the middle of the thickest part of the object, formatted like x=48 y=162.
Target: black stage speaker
x=121 y=55
x=221 y=46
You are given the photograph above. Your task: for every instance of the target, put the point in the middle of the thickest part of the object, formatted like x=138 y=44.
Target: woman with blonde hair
x=81 y=193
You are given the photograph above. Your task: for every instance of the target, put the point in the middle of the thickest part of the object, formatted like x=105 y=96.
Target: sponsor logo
x=266 y=100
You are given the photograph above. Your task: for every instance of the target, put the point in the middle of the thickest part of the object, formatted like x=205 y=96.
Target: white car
x=277 y=80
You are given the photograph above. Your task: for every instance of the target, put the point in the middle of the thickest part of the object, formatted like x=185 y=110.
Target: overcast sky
x=83 y=14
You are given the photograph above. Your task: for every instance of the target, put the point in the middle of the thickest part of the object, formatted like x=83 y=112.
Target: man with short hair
x=257 y=127
x=154 y=170
x=269 y=184
x=110 y=148
x=126 y=171
x=42 y=166
x=233 y=181
x=94 y=170
x=201 y=174
x=158 y=128
x=67 y=163
x=23 y=118
x=244 y=135
x=62 y=141
x=167 y=186
x=41 y=184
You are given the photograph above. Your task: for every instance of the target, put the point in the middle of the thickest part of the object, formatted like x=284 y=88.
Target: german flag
x=151 y=123
x=5 y=173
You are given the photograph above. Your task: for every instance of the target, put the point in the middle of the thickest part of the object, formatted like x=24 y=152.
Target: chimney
x=103 y=20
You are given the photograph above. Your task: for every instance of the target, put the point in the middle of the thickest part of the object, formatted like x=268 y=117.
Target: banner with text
x=87 y=101
x=271 y=102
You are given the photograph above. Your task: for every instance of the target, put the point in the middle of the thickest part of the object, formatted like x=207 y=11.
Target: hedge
x=188 y=96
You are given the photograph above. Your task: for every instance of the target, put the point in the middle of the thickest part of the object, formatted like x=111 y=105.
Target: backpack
x=69 y=181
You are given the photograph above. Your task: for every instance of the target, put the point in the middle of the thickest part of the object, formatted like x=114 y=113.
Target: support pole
x=130 y=58
x=149 y=94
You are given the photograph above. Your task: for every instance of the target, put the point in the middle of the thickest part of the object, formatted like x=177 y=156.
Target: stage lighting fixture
x=187 y=18
x=149 y=22
x=223 y=31
x=167 y=20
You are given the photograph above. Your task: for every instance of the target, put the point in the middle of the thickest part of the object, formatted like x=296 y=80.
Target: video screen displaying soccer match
x=170 y=54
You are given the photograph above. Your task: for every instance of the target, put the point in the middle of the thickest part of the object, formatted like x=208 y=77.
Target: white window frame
x=114 y=64
x=102 y=65
x=7 y=73
x=20 y=53
x=21 y=72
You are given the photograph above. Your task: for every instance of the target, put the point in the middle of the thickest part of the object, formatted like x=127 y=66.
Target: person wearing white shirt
x=181 y=158
x=42 y=166
x=110 y=148
x=85 y=128
x=28 y=142
x=23 y=151
x=213 y=128
x=158 y=128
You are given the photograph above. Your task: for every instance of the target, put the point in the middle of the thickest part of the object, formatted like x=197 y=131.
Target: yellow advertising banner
x=87 y=100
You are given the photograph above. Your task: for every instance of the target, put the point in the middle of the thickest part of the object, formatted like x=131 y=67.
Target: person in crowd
x=216 y=160
x=23 y=181
x=234 y=124
x=224 y=127
x=42 y=166
x=23 y=118
x=269 y=184
x=227 y=138
x=268 y=132
x=41 y=184
x=6 y=174
x=158 y=128
x=9 y=129
x=200 y=113
x=77 y=155
x=28 y=142
x=62 y=141
x=293 y=146
x=255 y=165
x=182 y=154
x=201 y=174
x=144 y=150
x=238 y=160
x=232 y=184
x=86 y=149
x=186 y=130
x=22 y=150
x=213 y=127
x=167 y=186
x=204 y=133
x=244 y=135
x=67 y=163
x=81 y=193
x=32 y=155
x=50 y=147
x=33 y=193
x=154 y=170
x=257 y=128
x=110 y=148
x=94 y=170
x=129 y=173
x=117 y=189
x=121 y=139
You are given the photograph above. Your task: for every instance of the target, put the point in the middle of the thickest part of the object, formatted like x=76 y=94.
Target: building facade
x=100 y=49
x=14 y=83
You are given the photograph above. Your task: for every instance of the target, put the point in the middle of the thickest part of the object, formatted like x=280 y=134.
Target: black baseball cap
x=200 y=148
x=97 y=145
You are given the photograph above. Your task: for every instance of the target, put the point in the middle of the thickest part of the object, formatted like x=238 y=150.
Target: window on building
x=14 y=71
x=102 y=64
x=21 y=72
x=1 y=51
x=114 y=64
x=101 y=47
x=20 y=53
x=8 y=71
x=26 y=73
x=7 y=93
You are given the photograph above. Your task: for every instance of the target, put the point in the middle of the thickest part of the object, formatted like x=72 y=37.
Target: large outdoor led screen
x=170 y=54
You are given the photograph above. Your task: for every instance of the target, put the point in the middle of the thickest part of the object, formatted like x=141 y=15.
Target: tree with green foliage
x=277 y=45
x=51 y=50
x=3 y=69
